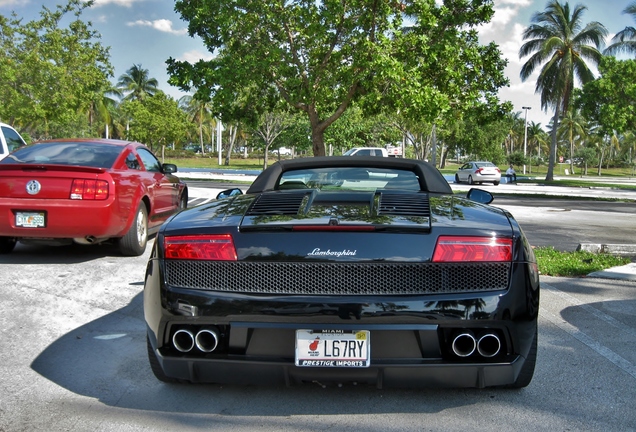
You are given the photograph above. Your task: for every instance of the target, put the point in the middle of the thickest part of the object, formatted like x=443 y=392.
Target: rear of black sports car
x=326 y=272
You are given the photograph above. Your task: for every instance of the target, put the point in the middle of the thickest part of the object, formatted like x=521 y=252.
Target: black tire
x=470 y=180
x=456 y=178
x=495 y=183
x=7 y=244
x=527 y=371
x=183 y=201
x=135 y=240
x=155 y=366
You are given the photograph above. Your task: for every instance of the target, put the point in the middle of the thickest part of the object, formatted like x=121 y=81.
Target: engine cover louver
x=277 y=204
x=398 y=204
x=388 y=203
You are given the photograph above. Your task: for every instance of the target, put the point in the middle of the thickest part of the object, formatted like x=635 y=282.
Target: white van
x=10 y=140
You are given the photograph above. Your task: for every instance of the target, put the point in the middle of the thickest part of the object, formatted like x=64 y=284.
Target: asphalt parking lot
x=74 y=359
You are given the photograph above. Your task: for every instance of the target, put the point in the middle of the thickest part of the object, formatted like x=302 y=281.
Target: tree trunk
x=318 y=140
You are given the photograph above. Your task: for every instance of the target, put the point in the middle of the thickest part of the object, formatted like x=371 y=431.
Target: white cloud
x=125 y=3
x=195 y=55
x=521 y=3
x=163 y=25
x=4 y=3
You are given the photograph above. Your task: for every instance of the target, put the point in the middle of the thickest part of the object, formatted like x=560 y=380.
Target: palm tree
x=137 y=84
x=537 y=138
x=556 y=40
x=573 y=126
x=624 y=40
x=200 y=112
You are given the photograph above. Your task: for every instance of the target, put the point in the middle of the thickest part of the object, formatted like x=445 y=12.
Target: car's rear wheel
x=496 y=183
x=456 y=178
x=470 y=180
x=134 y=242
x=155 y=366
x=7 y=244
x=527 y=371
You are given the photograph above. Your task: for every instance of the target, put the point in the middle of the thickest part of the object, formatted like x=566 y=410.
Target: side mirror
x=169 y=168
x=480 y=196
x=229 y=193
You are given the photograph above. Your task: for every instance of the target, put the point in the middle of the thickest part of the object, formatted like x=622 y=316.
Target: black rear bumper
x=271 y=373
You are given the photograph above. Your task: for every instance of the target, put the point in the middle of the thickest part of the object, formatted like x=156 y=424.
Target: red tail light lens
x=89 y=189
x=200 y=247
x=472 y=249
x=478 y=170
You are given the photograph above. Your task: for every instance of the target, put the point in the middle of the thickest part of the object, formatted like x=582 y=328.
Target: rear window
x=13 y=139
x=485 y=164
x=67 y=153
x=349 y=178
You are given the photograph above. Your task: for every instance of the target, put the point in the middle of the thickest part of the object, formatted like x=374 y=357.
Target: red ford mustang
x=86 y=191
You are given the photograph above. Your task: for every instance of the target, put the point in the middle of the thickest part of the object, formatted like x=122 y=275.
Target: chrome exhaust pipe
x=464 y=344
x=488 y=345
x=207 y=339
x=183 y=340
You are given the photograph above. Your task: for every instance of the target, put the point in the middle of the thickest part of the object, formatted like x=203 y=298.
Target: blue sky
x=148 y=32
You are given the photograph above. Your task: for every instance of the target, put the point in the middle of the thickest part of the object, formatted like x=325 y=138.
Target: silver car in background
x=477 y=172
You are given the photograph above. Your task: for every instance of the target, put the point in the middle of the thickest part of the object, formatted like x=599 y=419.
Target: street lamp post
x=525 y=137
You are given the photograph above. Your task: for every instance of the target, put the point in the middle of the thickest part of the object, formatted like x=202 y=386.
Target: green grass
x=574 y=264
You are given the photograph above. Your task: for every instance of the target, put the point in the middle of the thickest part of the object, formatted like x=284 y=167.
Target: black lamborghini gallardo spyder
x=341 y=270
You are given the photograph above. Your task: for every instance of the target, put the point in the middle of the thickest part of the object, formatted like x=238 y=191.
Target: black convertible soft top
x=433 y=180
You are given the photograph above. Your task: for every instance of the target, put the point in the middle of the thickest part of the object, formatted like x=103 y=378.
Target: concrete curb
x=612 y=249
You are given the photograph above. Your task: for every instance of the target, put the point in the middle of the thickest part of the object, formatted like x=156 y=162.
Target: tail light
x=479 y=170
x=200 y=247
x=472 y=249
x=89 y=189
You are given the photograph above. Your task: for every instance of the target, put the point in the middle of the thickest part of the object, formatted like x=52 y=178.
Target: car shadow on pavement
x=66 y=254
x=106 y=360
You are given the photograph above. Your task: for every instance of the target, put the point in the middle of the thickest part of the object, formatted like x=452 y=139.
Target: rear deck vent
x=278 y=203
x=404 y=204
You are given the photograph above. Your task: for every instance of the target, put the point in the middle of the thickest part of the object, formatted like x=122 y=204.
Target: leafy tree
x=558 y=40
x=482 y=140
x=517 y=158
x=51 y=73
x=320 y=57
x=625 y=40
x=610 y=99
x=587 y=156
x=156 y=120
x=137 y=84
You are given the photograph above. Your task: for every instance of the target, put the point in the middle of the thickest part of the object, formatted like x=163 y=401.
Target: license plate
x=30 y=219
x=333 y=348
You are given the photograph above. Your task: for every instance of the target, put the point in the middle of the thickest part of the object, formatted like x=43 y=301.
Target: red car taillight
x=472 y=249
x=89 y=189
x=200 y=247
x=479 y=170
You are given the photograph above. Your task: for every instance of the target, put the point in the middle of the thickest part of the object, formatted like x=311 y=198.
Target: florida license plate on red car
x=30 y=219
x=332 y=348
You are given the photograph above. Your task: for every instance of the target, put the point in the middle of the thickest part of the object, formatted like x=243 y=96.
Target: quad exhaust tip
x=205 y=340
x=465 y=344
